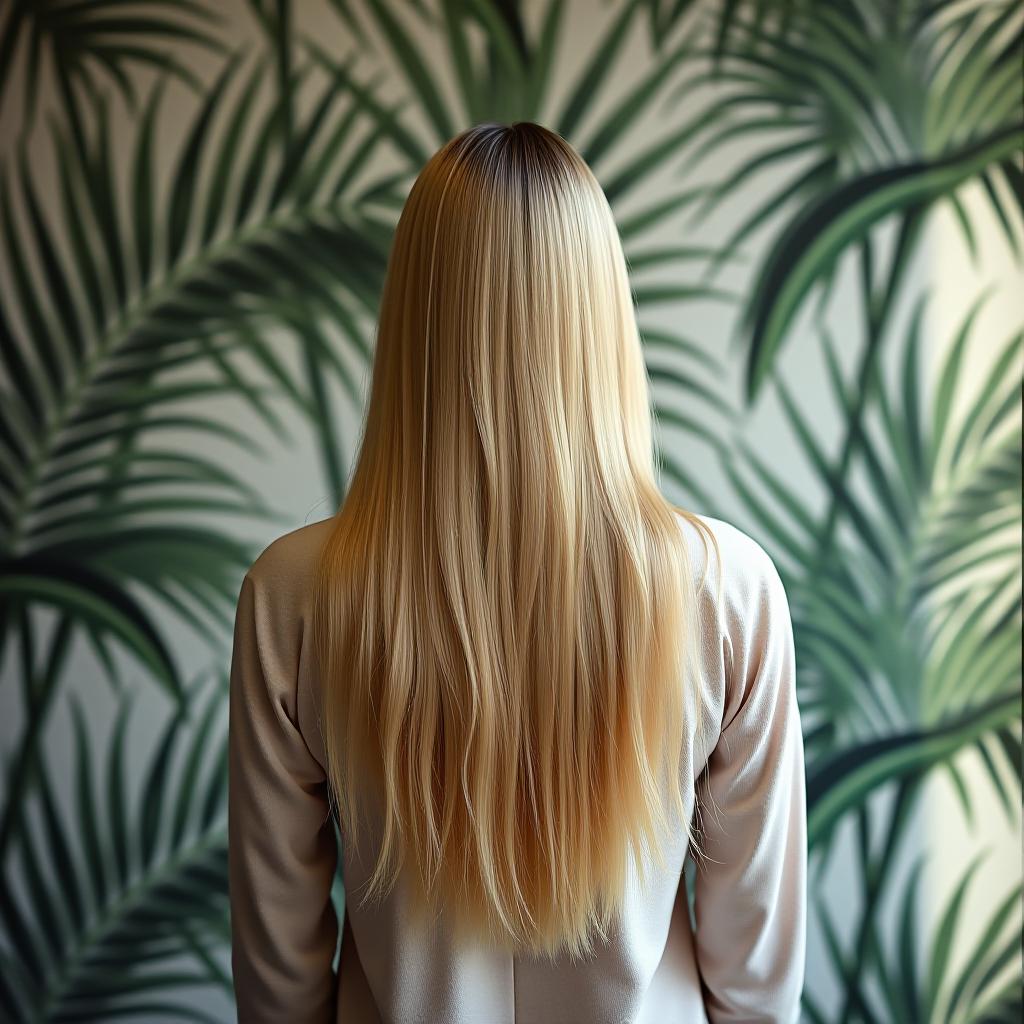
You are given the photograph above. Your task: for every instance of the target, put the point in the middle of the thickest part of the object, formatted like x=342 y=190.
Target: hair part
x=504 y=613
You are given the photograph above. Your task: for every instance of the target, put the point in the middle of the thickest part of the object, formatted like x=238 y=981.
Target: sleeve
x=750 y=896
x=282 y=852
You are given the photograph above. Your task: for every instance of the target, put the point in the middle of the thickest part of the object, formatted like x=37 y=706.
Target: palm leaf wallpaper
x=822 y=206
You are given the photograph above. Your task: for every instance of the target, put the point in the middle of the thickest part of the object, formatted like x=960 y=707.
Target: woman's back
x=744 y=962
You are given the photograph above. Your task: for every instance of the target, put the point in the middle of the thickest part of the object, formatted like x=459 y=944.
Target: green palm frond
x=852 y=103
x=85 y=42
x=929 y=983
x=128 y=890
x=146 y=309
x=841 y=783
x=513 y=79
x=148 y=324
x=906 y=624
x=689 y=402
x=820 y=233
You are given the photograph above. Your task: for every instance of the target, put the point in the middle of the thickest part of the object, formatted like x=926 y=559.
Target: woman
x=507 y=667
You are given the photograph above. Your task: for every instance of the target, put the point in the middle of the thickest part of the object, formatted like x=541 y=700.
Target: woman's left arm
x=281 y=847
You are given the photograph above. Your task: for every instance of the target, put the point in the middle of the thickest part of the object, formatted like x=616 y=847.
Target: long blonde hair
x=503 y=611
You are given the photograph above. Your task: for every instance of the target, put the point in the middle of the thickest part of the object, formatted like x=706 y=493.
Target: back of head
x=503 y=611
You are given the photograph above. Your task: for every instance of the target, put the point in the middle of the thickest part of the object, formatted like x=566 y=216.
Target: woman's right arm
x=751 y=898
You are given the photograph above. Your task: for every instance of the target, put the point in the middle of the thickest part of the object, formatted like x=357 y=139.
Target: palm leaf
x=144 y=885
x=931 y=988
x=84 y=39
x=828 y=227
x=98 y=373
x=817 y=81
x=899 y=646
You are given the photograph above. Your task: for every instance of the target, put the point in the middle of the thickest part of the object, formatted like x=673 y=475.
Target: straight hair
x=504 y=613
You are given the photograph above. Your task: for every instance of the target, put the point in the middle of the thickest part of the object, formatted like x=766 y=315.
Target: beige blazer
x=744 y=960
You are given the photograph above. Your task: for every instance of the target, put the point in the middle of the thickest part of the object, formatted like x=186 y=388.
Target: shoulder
x=743 y=561
x=273 y=606
x=752 y=610
x=743 y=582
x=286 y=565
x=281 y=582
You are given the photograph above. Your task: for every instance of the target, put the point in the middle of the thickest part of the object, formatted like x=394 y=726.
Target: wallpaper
x=822 y=208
